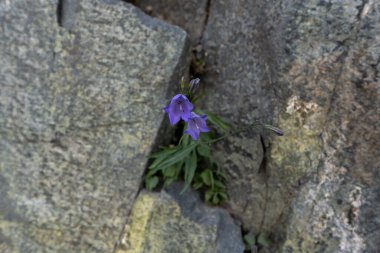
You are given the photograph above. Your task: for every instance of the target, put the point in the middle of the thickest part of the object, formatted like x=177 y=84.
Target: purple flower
x=196 y=125
x=179 y=107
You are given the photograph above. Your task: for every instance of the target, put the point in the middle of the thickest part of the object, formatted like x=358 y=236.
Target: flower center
x=179 y=102
x=195 y=123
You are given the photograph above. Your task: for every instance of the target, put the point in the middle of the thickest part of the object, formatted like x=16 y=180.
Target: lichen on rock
x=174 y=222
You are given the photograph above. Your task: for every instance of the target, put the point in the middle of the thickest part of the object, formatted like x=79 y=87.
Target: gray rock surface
x=181 y=223
x=242 y=85
x=80 y=108
x=311 y=68
x=339 y=209
x=228 y=237
x=190 y=15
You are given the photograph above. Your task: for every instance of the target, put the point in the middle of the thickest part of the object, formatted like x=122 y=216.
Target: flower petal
x=177 y=97
x=192 y=129
x=193 y=134
x=187 y=108
x=174 y=114
x=179 y=107
x=201 y=123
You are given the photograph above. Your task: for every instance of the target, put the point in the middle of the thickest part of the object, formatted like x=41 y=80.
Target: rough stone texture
x=311 y=68
x=339 y=210
x=190 y=15
x=241 y=85
x=297 y=65
x=181 y=223
x=80 y=107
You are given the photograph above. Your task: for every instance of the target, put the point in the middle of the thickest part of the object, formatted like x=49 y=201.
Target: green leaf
x=198 y=182
x=190 y=167
x=217 y=121
x=170 y=172
x=198 y=185
x=161 y=156
x=250 y=239
x=204 y=150
x=223 y=196
x=176 y=157
x=222 y=175
x=151 y=182
x=215 y=199
x=207 y=137
x=162 y=152
x=212 y=179
x=208 y=196
x=185 y=139
x=151 y=172
x=263 y=239
x=207 y=177
x=219 y=184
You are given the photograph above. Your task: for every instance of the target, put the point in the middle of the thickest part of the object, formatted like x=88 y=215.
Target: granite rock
x=174 y=222
x=312 y=69
x=241 y=85
x=338 y=210
x=80 y=109
x=191 y=15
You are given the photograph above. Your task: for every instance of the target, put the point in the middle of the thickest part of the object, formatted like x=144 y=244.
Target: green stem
x=215 y=140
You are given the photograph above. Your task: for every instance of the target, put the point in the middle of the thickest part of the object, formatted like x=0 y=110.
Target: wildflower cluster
x=191 y=159
x=180 y=107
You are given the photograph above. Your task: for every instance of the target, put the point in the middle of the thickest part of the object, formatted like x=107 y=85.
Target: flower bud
x=194 y=84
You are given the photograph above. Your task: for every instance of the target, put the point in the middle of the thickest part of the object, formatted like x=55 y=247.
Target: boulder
x=312 y=69
x=338 y=210
x=173 y=222
x=242 y=85
x=83 y=84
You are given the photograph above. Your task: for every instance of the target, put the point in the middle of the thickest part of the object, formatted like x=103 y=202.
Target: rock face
x=339 y=210
x=190 y=15
x=80 y=107
x=243 y=78
x=174 y=222
x=76 y=103
x=311 y=68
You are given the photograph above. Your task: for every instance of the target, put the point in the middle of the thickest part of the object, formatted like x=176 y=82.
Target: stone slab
x=181 y=223
x=80 y=109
